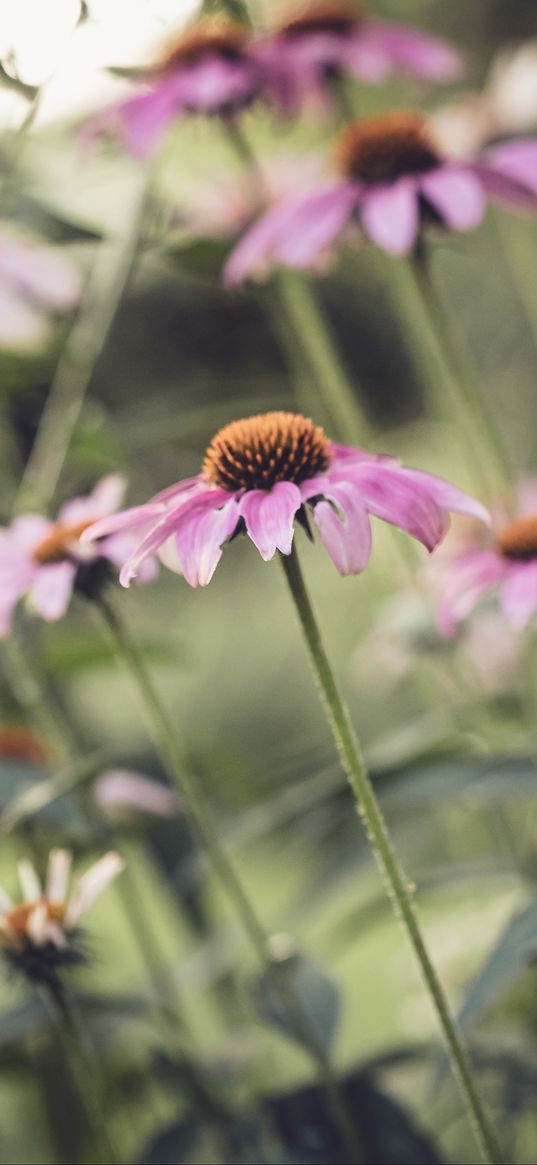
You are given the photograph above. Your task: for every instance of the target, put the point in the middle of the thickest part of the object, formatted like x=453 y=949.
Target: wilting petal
x=91 y=885
x=417 y=53
x=269 y=517
x=390 y=493
x=130 y=519
x=200 y=538
x=347 y=534
x=30 y=884
x=52 y=590
x=390 y=216
x=518 y=594
x=456 y=194
x=59 y=865
x=448 y=496
x=168 y=521
x=149 y=546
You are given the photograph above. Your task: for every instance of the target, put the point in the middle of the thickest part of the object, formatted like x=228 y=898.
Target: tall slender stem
x=165 y=740
x=472 y=415
x=396 y=882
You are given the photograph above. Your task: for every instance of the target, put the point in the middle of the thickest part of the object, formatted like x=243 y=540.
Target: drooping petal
x=52 y=589
x=390 y=216
x=91 y=885
x=59 y=865
x=168 y=520
x=518 y=594
x=201 y=535
x=426 y=57
x=462 y=583
x=346 y=532
x=269 y=516
x=448 y=496
x=29 y=881
x=104 y=499
x=130 y=519
x=517 y=160
x=506 y=187
x=144 y=118
x=456 y=194
x=390 y=493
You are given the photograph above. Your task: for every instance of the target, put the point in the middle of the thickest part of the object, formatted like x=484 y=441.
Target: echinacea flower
x=326 y=39
x=44 y=559
x=40 y=935
x=35 y=280
x=393 y=182
x=505 y=564
x=207 y=70
x=263 y=474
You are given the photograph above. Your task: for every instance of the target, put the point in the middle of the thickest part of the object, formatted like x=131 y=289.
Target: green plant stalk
x=475 y=423
x=165 y=740
x=395 y=879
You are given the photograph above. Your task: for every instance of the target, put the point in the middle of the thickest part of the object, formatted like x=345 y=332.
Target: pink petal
x=390 y=493
x=448 y=496
x=103 y=500
x=269 y=517
x=426 y=57
x=201 y=535
x=52 y=590
x=390 y=216
x=29 y=881
x=518 y=595
x=120 y=788
x=457 y=195
x=463 y=582
x=59 y=865
x=365 y=56
x=506 y=187
x=145 y=118
x=517 y=160
x=91 y=885
x=347 y=534
x=130 y=519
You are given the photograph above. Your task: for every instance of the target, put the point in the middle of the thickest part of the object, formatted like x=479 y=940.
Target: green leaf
x=311 y=992
x=514 y=952
x=483 y=779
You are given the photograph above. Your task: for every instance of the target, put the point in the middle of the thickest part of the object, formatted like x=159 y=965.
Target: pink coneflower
x=207 y=70
x=326 y=39
x=35 y=280
x=505 y=564
x=43 y=559
x=38 y=936
x=262 y=475
x=393 y=182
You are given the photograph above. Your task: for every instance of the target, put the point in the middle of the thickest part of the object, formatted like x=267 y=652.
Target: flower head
x=394 y=181
x=45 y=559
x=505 y=564
x=35 y=280
x=263 y=474
x=39 y=936
x=207 y=70
x=326 y=39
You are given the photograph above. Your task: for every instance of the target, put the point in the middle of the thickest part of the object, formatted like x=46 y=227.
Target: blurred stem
x=165 y=740
x=396 y=882
x=520 y=252
x=83 y=1069
x=110 y=274
x=473 y=417
x=305 y=323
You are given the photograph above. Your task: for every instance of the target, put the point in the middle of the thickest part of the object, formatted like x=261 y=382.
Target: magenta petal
x=269 y=517
x=517 y=160
x=448 y=496
x=52 y=589
x=129 y=519
x=457 y=195
x=315 y=225
x=347 y=534
x=145 y=117
x=200 y=538
x=390 y=493
x=518 y=596
x=507 y=188
x=463 y=582
x=423 y=56
x=390 y=216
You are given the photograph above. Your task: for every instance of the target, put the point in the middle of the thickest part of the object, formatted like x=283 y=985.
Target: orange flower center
x=18 y=743
x=212 y=35
x=257 y=452
x=385 y=147
x=16 y=919
x=55 y=546
x=519 y=538
x=338 y=16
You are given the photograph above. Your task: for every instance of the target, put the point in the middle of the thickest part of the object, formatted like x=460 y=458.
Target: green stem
x=475 y=423
x=379 y=837
x=82 y=1067
x=165 y=740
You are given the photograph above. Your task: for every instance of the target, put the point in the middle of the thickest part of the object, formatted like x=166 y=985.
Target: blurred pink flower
x=393 y=182
x=324 y=39
x=208 y=70
x=505 y=564
x=34 y=279
x=46 y=916
x=264 y=473
x=120 y=790
x=41 y=558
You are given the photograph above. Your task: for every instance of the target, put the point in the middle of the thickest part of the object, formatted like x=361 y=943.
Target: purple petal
x=507 y=188
x=200 y=539
x=52 y=589
x=463 y=582
x=347 y=534
x=213 y=82
x=365 y=55
x=518 y=596
x=448 y=496
x=144 y=118
x=457 y=195
x=130 y=519
x=390 y=216
x=391 y=493
x=427 y=57
x=517 y=160
x=269 y=517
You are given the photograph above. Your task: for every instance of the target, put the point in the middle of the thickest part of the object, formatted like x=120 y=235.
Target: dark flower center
x=519 y=539
x=216 y=36
x=386 y=147
x=338 y=17
x=257 y=452
x=55 y=546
